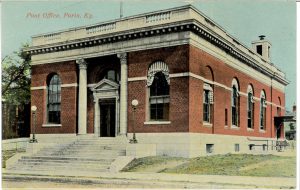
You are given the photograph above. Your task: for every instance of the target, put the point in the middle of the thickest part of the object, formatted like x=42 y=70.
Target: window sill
x=205 y=124
x=234 y=127
x=262 y=131
x=157 y=122
x=51 y=125
x=250 y=129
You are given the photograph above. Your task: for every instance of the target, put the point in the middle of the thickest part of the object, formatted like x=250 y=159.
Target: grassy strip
x=229 y=164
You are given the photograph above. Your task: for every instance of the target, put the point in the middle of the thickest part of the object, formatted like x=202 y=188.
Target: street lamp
x=33 y=109
x=134 y=104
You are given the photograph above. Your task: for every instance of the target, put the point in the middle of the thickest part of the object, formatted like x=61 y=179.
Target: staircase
x=84 y=155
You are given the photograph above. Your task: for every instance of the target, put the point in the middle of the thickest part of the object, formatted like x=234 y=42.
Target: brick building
x=199 y=89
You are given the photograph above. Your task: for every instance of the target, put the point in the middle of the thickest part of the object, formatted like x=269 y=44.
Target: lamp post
x=134 y=104
x=33 y=109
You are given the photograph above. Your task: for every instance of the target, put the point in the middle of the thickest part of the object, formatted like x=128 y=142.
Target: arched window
x=250 y=108
x=207 y=103
x=54 y=99
x=158 y=82
x=263 y=110
x=235 y=104
x=279 y=107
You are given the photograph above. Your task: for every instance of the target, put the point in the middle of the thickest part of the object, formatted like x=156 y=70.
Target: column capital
x=81 y=63
x=122 y=57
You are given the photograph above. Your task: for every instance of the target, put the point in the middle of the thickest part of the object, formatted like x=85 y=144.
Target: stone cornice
x=192 y=26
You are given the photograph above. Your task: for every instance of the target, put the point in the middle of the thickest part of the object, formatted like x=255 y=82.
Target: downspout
x=213 y=111
x=272 y=126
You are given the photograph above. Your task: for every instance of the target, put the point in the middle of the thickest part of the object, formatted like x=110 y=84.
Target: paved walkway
x=154 y=180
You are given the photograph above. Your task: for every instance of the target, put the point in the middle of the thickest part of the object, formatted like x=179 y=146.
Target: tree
x=16 y=78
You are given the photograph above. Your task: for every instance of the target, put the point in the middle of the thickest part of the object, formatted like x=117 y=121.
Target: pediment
x=105 y=85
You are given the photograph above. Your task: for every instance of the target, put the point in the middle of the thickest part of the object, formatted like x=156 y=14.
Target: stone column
x=82 y=100
x=123 y=94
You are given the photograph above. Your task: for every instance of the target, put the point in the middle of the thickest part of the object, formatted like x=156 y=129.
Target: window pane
x=54 y=99
x=159 y=98
x=159 y=86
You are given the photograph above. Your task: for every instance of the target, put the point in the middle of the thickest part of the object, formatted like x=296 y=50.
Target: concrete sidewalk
x=144 y=179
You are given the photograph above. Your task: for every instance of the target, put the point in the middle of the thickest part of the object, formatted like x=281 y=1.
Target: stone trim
x=45 y=87
x=132 y=79
x=69 y=85
x=189 y=74
x=51 y=125
x=38 y=88
x=157 y=122
x=196 y=28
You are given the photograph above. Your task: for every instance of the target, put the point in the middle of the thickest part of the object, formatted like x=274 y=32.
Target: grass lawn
x=229 y=164
x=6 y=154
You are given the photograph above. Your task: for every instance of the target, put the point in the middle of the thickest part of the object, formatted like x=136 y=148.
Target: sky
x=243 y=19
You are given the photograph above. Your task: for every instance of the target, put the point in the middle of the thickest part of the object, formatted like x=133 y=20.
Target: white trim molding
x=38 y=88
x=190 y=74
x=157 y=122
x=45 y=87
x=136 y=79
x=69 y=85
x=51 y=125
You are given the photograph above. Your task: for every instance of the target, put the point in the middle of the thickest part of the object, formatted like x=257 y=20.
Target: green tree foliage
x=16 y=77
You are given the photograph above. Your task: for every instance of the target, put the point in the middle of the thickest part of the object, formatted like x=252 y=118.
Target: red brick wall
x=67 y=72
x=185 y=93
x=138 y=63
x=224 y=74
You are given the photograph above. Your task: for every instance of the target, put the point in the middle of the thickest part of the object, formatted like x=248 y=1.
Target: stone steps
x=82 y=161
x=66 y=158
x=68 y=164
x=57 y=168
x=108 y=154
x=94 y=155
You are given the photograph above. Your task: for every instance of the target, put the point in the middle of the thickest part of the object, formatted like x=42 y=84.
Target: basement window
x=264 y=147
x=209 y=148
x=236 y=147
x=251 y=146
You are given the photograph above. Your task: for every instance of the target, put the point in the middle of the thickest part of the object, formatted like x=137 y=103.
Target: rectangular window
x=226 y=117
x=206 y=107
x=236 y=147
x=250 y=112
x=209 y=148
x=159 y=108
x=263 y=111
x=234 y=116
x=235 y=103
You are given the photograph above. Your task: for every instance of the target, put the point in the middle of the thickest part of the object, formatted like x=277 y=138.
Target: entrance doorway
x=107 y=118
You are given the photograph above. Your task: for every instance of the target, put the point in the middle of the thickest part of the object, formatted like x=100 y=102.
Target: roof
x=184 y=18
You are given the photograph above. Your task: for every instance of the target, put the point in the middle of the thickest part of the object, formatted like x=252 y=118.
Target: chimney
x=262 y=47
x=294 y=108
